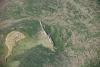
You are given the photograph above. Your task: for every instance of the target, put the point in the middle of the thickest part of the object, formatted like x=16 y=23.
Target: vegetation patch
x=56 y=35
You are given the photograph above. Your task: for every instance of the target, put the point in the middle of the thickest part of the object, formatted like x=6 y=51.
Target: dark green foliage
x=98 y=2
x=36 y=57
x=29 y=27
x=56 y=35
x=2 y=65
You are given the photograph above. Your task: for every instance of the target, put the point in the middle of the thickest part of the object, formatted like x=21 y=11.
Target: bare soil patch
x=11 y=40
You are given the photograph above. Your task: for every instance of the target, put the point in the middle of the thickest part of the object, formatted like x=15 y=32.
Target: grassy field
x=72 y=25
